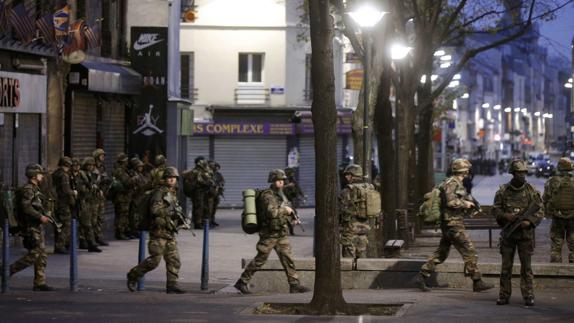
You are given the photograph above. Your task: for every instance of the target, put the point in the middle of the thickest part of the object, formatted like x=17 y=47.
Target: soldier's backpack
x=115 y=188
x=252 y=215
x=563 y=197
x=188 y=186
x=145 y=218
x=431 y=208
x=366 y=200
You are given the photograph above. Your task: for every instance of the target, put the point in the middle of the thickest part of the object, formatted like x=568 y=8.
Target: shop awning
x=105 y=77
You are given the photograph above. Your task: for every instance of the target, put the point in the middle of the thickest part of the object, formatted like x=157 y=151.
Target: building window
x=250 y=68
x=187 y=72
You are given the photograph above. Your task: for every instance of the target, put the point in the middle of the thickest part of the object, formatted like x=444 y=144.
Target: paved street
x=103 y=295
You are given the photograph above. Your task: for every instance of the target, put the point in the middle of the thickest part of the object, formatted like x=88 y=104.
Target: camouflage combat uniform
x=30 y=211
x=559 y=205
x=141 y=183
x=122 y=199
x=88 y=201
x=511 y=199
x=273 y=235
x=64 y=204
x=162 y=242
x=200 y=183
x=354 y=228
x=216 y=192
x=102 y=181
x=156 y=174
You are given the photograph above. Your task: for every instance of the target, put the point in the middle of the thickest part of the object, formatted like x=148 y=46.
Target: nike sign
x=146 y=40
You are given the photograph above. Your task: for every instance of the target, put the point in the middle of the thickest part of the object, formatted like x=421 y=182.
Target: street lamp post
x=366 y=17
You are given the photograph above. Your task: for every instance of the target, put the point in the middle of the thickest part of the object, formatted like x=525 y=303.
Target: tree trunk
x=328 y=293
x=405 y=141
x=384 y=124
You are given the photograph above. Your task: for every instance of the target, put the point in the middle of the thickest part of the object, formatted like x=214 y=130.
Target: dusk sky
x=557 y=34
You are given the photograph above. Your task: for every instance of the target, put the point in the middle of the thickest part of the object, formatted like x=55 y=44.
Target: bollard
x=141 y=257
x=74 y=257
x=5 y=255
x=205 y=256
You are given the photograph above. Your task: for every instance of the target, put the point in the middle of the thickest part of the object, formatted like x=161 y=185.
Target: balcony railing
x=257 y=95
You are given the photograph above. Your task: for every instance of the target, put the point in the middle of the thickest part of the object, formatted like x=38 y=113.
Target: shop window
x=250 y=68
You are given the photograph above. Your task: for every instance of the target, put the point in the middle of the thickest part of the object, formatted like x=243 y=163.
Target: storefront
x=22 y=116
x=249 y=145
x=98 y=100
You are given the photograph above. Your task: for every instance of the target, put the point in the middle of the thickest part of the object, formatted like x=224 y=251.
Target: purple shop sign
x=243 y=129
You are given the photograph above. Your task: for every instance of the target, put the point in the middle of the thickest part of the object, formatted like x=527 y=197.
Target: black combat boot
x=101 y=242
x=480 y=285
x=132 y=284
x=242 y=287
x=529 y=301
x=502 y=300
x=298 y=288
x=92 y=247
x=43 y=288
x=174 y=289
x=420 y=283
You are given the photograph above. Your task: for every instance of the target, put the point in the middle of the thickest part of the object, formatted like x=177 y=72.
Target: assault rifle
x=184 y=223
x=55 y=222
x=294 y=215
x=510 y=227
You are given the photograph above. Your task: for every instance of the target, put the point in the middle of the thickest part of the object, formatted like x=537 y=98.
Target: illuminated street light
x=454 y=84
x=399 y=51
x=367 y=16
x=424 y=79
x=537 y=114
x=486 y=105
x=439 y=53
x=433 y=78
x=465 y=96
x=516 y=109
x=497 y=107
x=456 y=77
x=445 y=65
x=446 y=58
x=568 y=85
x=508 y=109
x=523 y=110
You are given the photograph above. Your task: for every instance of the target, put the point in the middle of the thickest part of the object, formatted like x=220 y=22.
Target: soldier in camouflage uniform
x=198 y=185
x=32 y=217
x=157 y=173
x=88 y=203
x=64 y=203
x=49 y=194
x=276 y=213
x=511 y=200
x=74 y=177
x=354 y=227
x=122 y=198
x=559 y=205
x=162 y=243
x=216 y=192
x=457 y=203
x=141 y=183
x=102 y=181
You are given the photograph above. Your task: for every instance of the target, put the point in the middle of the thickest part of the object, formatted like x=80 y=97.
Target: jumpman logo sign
x=148 y=124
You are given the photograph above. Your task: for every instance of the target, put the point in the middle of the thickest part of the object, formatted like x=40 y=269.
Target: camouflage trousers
x=559 y=229
x=214 y=200
x=36 y=256
x=354 y=240
x=87 y=212
x=98 y=218
x=122 y=214
x=159 y=248
x=201 y=207
x=282 y=247
x=454 y=236
x=523 y=241
x=64 y=215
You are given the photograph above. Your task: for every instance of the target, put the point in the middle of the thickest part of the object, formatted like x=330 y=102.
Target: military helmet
x=33 y=170
x=564 y=164
x=460 y=165
x=88 y=161
x=517 y=165
x=159 y=160
x=122 y=158
x=170 y=172
x=76 y=161
x=353 y=169
x=276 y=175
x=65 y=161
x=198 y=159
x=136 y=162
x=97 y=153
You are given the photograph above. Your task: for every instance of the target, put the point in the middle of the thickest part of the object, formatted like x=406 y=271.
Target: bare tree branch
x=452 y=19
x=349 y=30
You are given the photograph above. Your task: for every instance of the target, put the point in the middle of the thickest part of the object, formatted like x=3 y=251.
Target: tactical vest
x=563 y=197
x=365 y=199
x=515 y=201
